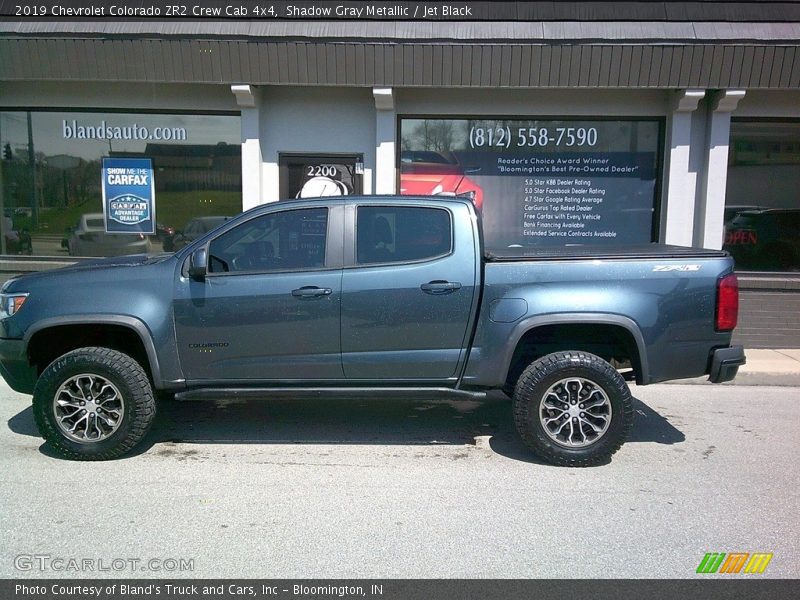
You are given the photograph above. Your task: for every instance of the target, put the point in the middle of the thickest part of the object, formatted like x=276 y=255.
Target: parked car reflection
x=89 y=238
x=194 y=229
x=429 y=173
x=731 y=210
x=163 y=232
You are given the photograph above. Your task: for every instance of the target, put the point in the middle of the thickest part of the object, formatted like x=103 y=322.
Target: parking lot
x=410 y=489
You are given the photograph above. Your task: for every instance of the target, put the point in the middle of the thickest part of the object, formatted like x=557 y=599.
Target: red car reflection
x=429 y=173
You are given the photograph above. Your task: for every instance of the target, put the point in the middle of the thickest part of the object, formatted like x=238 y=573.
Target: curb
x=750 y=379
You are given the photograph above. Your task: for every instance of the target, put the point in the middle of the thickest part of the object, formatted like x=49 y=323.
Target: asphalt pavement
x=347 y=489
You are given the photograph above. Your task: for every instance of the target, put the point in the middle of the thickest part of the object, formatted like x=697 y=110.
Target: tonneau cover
x=645 y=251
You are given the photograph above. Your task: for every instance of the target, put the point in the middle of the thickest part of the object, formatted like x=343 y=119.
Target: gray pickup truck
x=373 y=297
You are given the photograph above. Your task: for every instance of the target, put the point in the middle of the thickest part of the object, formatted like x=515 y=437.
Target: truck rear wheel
x=93 y=404
x=572 y=409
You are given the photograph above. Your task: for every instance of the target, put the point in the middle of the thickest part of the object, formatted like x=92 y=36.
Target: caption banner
x=253 y=9
x=405 y=589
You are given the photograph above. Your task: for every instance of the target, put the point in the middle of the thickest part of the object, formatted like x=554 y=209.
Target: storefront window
x=51 y=193
x=541 y=182
x=762 y=202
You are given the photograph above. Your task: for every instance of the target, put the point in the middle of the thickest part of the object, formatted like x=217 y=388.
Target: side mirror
x=198 y=262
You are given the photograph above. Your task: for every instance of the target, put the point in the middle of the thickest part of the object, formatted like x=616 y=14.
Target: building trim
x=680 y=183
x=542 y=30
x=366 y=64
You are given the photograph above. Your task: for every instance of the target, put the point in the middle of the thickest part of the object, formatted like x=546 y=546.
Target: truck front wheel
x=93 y=404
x=572 y=409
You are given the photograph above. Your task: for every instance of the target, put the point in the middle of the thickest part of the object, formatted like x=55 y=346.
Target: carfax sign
x=129 y=202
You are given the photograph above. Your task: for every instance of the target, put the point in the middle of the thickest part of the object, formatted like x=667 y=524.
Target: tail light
x=727 y=302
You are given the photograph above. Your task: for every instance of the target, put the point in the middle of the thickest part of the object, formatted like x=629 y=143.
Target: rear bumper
x=725 y=363
x=14 y=366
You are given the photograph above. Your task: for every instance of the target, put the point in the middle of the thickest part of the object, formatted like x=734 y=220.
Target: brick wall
x=768 y=319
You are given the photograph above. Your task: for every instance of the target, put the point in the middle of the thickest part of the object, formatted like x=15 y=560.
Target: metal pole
x=2 y=198
x=32 y=165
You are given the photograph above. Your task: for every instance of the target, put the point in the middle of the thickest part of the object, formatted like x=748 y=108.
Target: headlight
x=11 y=303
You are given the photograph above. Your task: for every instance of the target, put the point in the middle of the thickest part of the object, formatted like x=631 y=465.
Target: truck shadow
x=352 y=422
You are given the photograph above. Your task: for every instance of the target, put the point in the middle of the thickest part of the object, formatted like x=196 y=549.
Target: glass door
x=315 y=175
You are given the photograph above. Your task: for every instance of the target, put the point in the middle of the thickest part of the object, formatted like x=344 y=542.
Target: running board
x=321 y=393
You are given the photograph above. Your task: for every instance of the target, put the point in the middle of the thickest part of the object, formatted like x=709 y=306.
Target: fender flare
x=531 y=323
x=128 y=322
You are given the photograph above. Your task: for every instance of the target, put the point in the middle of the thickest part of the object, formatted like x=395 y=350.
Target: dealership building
x=566 y=123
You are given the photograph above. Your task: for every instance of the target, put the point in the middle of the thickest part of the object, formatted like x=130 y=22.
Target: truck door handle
x=311 y=291
x=439 y=287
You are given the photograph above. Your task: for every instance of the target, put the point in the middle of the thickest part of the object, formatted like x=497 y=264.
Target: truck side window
x=291 y=240
x=389 y=234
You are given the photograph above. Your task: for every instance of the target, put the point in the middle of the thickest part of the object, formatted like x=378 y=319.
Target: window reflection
x=541 y=182
x=51 y=190
x=762 y=205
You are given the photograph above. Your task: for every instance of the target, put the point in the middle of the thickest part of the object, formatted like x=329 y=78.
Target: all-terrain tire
x=581 y=367
x=100 y=365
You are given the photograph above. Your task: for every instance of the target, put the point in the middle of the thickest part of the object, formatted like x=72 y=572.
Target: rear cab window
x=394 y=234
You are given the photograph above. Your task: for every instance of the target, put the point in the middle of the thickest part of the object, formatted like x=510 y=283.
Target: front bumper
x=725 y=363
x=14 y=366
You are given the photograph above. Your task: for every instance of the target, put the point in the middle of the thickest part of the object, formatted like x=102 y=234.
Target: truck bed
x=663 y=295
